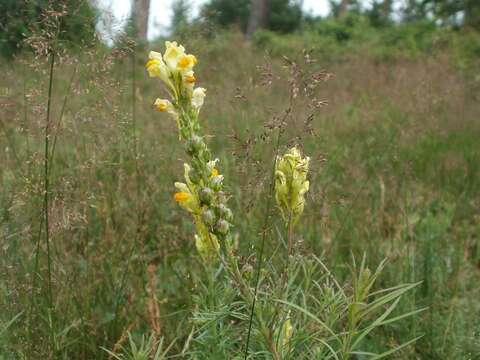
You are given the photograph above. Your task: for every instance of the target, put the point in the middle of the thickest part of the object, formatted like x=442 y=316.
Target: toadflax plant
x=202 y=192
x=300 y=310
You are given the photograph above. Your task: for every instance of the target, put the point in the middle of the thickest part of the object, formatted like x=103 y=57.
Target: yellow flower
x=189 y=78
x=186 y=198
x=186 y=62
x=162 y=105
x=198 y=97
x=174 y=68
x=291 y=183
x=211 y=167
x=181 y=196
x=156 y=67
x=173 y=54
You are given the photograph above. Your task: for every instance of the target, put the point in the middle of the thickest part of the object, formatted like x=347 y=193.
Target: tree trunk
x=140 y=12
x=472 y=14
x=258 y=16
x=343 y=8
x=386 y=9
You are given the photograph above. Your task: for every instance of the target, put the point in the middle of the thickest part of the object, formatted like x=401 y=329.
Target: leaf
x=389 y=352
x=309 y=314
x=376 y=323
x=10 y=323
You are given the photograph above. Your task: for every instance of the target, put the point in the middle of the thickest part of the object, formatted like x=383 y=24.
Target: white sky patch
x=114 y=14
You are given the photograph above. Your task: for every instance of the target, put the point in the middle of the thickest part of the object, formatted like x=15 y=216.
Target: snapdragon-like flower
x=186 y=196
x=291 y=184
x=156 y=67
x=198 y=97
x=163 y=105
x=173 y=53
x=174 y=68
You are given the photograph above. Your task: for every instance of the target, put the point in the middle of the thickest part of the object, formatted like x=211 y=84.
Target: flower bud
x=194 y=176
x=195 y=145
x=228 y=215
x=208 y=217
x=222 y=197
x=206 y=196
x=291 y=184
x=222 y=227
x=225 y=212
x=216 y=182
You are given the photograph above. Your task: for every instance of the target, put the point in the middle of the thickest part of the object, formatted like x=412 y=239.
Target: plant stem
x=264 y=236
x=232 y=266
x=46 y=177
x=46 y=199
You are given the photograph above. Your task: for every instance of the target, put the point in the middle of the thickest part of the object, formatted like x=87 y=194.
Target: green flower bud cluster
x=291 y=184
x=213 y=219
x=215 y=215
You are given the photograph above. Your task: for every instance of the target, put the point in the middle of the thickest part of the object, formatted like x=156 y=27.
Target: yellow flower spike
x=291 y=184
x=214 y=172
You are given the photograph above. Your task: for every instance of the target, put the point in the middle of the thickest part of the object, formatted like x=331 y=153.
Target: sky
x=115 y=12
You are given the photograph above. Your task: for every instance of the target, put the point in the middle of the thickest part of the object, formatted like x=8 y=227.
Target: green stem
x=231 y=265
x=262 y=245
x=46 y=191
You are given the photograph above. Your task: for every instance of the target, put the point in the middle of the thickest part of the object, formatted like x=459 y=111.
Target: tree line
x=20 y=19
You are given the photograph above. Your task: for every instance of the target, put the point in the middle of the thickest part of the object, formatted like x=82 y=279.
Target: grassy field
x=394 y=174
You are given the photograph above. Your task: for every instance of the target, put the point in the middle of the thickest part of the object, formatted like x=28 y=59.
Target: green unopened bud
x=208 y=217
x=194 y=176
x=291 y=183
x=206 y=196
x=195 y=145
x=247 y=271
x=222 y=226
x=222 y=197
x=216 y=182
x=365 y=283
x=225 y=212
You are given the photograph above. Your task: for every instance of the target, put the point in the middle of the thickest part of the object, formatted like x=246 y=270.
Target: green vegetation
x=394 y=174
x=284 y=15
x=22 y=20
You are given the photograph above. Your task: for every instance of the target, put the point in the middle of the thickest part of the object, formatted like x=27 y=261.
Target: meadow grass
x=394 y=174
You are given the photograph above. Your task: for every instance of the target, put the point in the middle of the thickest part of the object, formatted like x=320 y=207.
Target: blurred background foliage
x=21 y=19
x=416 y=26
